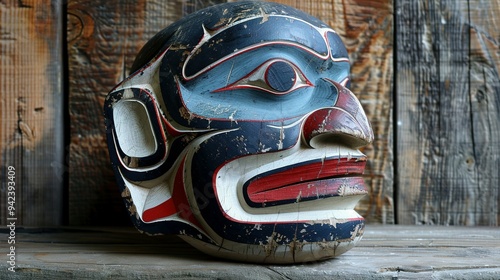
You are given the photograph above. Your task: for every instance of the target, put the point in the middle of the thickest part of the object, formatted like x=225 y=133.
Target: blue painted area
x=200 y=99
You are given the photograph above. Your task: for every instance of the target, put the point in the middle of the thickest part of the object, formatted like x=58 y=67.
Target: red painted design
x=316 y=179
x=345 y=118
x=348 y=102
x=330 y=120
x=177 y=204
x=170 y=129
x=299 y=191
x=165 y=209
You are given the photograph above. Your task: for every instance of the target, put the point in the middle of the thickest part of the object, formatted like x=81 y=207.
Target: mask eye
x=275 y=76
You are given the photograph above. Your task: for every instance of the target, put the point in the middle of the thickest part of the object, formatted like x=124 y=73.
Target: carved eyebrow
x=338 y=52
x=222 y=45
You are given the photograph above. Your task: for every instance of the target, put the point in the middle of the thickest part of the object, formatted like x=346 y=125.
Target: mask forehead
x=220 y=45
x=236 y=53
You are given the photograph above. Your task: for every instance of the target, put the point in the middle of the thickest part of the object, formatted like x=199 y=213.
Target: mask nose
x=344 y=123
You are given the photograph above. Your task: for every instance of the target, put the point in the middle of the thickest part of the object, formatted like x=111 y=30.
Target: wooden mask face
x=237 y=131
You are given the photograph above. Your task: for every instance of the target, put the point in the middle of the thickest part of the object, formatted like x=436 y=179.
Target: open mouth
x=309 y=180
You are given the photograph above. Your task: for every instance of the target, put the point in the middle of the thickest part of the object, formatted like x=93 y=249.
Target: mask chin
x=273 y=252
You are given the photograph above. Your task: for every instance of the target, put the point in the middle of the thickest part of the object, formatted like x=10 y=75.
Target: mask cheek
x=137 y=146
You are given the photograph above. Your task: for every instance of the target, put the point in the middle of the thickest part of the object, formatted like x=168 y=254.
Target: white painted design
x=231 y=178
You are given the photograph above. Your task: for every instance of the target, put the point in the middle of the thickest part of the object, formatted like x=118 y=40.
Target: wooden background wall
x=426 y=73
x=447 y=112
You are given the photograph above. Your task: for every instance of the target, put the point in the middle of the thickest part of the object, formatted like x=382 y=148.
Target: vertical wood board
x=447 y=141
x=484 y=69
x=31 y=132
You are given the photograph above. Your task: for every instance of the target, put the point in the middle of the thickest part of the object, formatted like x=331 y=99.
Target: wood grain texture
x=103 y=40
x=386 y=252
x=447 y=112
x=484 y=61
x=366 y=29
x=31 y=132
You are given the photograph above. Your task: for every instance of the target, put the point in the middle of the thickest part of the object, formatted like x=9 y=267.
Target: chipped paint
x=185 y=114
x=349 y=190
x=265 y=16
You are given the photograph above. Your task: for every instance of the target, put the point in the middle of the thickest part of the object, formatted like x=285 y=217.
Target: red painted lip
x=321 y=179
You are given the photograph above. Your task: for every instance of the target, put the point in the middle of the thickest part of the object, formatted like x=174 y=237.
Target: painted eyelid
x=257 y=79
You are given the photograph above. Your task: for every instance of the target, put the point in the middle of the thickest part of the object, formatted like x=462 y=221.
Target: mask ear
x=134 y=132
x=137 y=132
x=137 y=145
x=143 y=148
x=152 y=185
x=134 y=128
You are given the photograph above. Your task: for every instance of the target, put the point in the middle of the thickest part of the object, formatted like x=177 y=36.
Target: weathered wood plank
x=103 y=40
x=485 y=105
x=447 y=140
x=367 y=31
x=386 y=252
x=31 y=133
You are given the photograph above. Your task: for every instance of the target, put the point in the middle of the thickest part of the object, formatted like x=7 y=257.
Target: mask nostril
x=133 y=129
x=344 y=139
x=326 y=126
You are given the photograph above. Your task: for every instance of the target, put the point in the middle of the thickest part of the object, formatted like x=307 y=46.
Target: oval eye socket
x=274 y=76
x=280 y=76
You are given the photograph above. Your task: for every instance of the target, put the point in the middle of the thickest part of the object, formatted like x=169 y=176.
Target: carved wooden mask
x=237 y=131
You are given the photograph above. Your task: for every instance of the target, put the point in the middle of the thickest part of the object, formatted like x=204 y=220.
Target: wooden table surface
x=386 y=252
